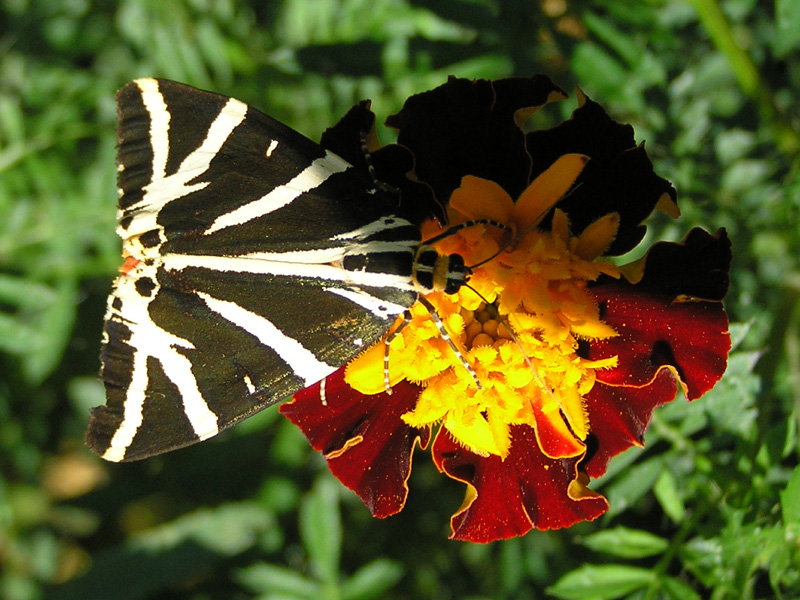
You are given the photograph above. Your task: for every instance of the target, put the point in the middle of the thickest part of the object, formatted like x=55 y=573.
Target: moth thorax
x=434 y=272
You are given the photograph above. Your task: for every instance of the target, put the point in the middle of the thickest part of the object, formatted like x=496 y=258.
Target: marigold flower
x=569 y=353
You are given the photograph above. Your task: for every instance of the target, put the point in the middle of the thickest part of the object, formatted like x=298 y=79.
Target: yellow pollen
x=523 y=345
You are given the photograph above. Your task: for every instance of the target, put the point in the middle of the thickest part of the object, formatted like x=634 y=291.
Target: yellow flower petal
x=482 y=199
x=597 y=237
x=548 y=188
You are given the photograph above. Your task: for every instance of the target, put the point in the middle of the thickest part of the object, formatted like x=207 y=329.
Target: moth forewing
x=255 y=264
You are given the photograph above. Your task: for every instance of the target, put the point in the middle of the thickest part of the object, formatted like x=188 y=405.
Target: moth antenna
x=381 y=185
x=471 y=223
x=522 y=233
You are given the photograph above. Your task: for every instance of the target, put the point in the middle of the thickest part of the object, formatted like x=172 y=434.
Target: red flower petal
x=620 y=416
x=654 y=332
x=507 y=498
x=662 y=330
x=366 y=443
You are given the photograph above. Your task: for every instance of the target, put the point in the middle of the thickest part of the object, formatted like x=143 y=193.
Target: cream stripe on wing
x=299 y=358
x=159 y=124
x=309 y=178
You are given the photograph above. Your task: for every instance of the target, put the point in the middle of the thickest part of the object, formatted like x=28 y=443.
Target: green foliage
x=321 y=536
x=709 y=508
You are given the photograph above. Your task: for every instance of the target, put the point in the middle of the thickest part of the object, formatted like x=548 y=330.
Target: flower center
x=519 y=324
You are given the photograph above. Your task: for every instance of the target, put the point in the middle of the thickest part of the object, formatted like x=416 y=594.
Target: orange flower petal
x=548 y=188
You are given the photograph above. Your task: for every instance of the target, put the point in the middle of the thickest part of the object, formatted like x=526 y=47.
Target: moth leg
x=446 y=337
x=386 y=342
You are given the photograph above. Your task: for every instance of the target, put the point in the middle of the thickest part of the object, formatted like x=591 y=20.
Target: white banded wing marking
x=297 y=271
x=383 y=224
x=165 y=188
x=377 y=306
x=179 y=370
x=149 y=340
x=301 y=360
x=378 y=247
x=159 y=124
x=197 y=163
x=323 y=256
x=317 y=256
x=309 y=178
x=133 y=414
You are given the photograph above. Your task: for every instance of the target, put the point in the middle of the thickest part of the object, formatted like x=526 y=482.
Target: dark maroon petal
x=345 y=138
x=393 y=165
x=655 y=332
x=697 y=267
x=619 y=416
x=619 y=178
x=367 y=445
x=415 y=200
x=589 y=131
x=508 y=498
x=468 y=128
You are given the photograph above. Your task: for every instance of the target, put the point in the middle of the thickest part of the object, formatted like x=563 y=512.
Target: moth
x=256 y=263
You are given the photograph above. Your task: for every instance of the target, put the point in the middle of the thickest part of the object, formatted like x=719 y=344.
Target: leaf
x=731 y=403
x=591 y=582
x=626 y=543
x=239 y=522
x=266 y=579
x=787 y=27
x=632 y=485
x=675 y=589
x=372 y=580
x=790 y=501
x=668 y=496
x=321 y=528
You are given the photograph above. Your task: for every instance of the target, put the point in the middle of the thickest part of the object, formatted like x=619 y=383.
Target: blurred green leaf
x=321 y=528
x=632 y=484
x=626 y=543
x=270 y=581
x=373 y=580
x=731 y=404
x=675 y=589
x=787 y=27
x=669 y=497
x=790 y=502
x=601 y=582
